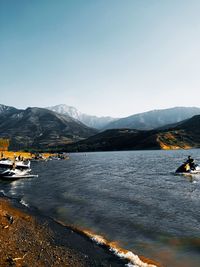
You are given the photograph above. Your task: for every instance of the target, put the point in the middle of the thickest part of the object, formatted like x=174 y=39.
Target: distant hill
x=89 y=120
x=154 y=119
x=4 y=110
x=40 y=128
x=116 y=140
x=183 y=136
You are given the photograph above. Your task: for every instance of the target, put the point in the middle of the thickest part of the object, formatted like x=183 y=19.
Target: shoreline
x=30 y=239
x=25 y=155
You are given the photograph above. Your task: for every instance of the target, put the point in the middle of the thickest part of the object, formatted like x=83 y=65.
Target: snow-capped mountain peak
x=89 y=120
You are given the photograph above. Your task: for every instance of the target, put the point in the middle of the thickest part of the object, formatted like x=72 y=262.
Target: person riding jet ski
x=191 y=163
x=188 y=166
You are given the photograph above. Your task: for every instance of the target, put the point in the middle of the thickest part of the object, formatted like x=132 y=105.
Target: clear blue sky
x=105 y=57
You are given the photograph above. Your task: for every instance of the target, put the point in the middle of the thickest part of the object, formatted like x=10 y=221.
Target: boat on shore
x=11 y=170
x=16 y=174
x=7 y=163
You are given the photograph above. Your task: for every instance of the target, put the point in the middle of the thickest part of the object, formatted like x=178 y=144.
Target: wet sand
x=27 y=240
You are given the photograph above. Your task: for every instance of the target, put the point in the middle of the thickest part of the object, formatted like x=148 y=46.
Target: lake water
x=133 y=198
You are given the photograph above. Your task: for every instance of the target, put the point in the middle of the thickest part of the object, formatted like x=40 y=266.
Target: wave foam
x=135 y=261
x=24 y=203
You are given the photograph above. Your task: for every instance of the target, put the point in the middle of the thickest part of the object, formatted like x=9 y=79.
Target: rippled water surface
x=133 y=198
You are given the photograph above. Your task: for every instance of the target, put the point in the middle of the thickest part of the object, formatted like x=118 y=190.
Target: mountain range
x=40 y=128
x=59 y=127
x=154 y=118
x=89 y=120
x=184 y=135
x=142 y=121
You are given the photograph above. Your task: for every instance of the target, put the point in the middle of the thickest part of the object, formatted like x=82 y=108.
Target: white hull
x=11 y=174
x=18 y=176
x=18 y=164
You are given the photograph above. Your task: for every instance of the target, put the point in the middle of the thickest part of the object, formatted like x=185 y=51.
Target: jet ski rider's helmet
x=189 y=158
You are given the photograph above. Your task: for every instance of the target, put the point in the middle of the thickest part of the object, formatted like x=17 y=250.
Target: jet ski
x=186 y=169
x=12 y=174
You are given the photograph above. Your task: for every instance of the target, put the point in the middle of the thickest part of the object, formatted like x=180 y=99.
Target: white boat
x=11 y=174
x=7 y=163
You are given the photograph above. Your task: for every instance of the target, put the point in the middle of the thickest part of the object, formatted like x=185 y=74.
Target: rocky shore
x=27 y=240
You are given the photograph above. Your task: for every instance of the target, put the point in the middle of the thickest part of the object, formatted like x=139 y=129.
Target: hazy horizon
x=106 y=58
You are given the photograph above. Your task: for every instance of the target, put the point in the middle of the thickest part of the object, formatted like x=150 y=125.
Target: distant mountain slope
x=191 y=125
x=89 y=120
x=154 y=119
x=4 y=110
x=116 y=140
x=41 y=128
x=183 y=136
